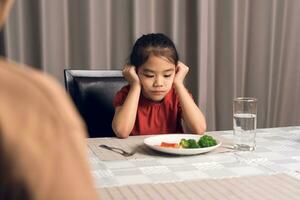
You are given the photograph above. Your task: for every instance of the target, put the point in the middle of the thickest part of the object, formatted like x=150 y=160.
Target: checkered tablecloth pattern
x=279 y=186
x=277 y=151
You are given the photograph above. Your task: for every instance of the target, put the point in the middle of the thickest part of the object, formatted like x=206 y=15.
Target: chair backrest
x=93 y=92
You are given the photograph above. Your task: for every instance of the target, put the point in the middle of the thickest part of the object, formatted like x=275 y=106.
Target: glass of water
x=244 y=123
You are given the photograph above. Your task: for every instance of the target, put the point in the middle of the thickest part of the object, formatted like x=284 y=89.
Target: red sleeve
x=121 y=96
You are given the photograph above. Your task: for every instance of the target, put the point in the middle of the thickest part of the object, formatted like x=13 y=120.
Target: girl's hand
x=181 y=73
x=129 y=72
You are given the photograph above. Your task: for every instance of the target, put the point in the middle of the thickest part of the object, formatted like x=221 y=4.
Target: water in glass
x=244 y=128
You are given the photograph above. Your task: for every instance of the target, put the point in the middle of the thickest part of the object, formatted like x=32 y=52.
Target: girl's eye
x=149 y=76
x=168 y=75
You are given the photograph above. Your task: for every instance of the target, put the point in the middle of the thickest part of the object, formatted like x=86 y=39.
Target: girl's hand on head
x=130 y=74
x=181 y=72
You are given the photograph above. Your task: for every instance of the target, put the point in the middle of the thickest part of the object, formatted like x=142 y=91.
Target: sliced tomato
x=170 y=145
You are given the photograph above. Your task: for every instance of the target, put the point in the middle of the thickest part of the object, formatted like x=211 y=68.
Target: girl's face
x=156 y=76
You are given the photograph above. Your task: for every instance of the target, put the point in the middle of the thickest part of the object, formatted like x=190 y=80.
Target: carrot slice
x=169 y=145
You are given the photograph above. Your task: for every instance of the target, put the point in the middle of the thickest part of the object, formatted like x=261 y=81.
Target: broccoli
x=204 y=141
x=193 y=143
x=184 y=143
x=207 y=141
x=190 y=143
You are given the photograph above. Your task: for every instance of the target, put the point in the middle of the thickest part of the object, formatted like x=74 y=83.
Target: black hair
x=157 y=44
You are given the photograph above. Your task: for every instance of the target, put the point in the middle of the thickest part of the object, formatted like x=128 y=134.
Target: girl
x=156 y=100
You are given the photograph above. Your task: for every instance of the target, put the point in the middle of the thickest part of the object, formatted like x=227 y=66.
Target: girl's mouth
x=157 y=92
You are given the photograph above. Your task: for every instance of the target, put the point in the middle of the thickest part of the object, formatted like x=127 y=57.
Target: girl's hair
x=156 y=44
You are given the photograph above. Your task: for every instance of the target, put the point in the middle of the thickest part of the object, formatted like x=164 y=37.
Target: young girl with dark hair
x=155 y=101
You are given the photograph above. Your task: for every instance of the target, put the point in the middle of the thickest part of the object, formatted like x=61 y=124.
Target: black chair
x=93 y=92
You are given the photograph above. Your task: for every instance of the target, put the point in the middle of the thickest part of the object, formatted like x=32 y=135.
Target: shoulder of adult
x=29 y=87
x=37 y=111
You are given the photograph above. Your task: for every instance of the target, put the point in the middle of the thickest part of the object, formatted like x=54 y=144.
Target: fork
x=117 y=150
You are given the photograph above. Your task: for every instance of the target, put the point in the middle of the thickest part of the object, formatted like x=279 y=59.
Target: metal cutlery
x=118 y=150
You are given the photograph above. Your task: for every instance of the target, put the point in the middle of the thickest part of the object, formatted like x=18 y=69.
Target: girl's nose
x=158 y=82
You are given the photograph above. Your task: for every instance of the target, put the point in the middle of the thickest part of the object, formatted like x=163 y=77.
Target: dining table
x=271 y=171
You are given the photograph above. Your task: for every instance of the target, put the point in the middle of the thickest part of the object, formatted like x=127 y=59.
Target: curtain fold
x=233 y=47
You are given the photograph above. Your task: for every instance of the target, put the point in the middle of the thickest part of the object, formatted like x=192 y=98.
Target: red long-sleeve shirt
x=154 y=117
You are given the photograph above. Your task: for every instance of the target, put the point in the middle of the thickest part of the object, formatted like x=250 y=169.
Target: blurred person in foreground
x=42 y=138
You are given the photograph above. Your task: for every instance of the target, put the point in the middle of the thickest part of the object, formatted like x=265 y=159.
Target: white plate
x=154 y=142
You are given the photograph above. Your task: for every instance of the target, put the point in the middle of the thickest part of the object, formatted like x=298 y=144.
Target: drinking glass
x=244 y=123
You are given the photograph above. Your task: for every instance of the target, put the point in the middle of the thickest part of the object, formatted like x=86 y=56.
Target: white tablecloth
x=277 y=151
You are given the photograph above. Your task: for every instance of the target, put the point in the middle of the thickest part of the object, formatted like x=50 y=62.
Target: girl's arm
x=124 y=118
x=192 y=116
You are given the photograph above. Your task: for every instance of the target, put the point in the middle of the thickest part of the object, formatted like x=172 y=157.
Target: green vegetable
x=193 y=143
x=190 y=143
x=184 y=143
x=207 y=141
x=204 y=141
